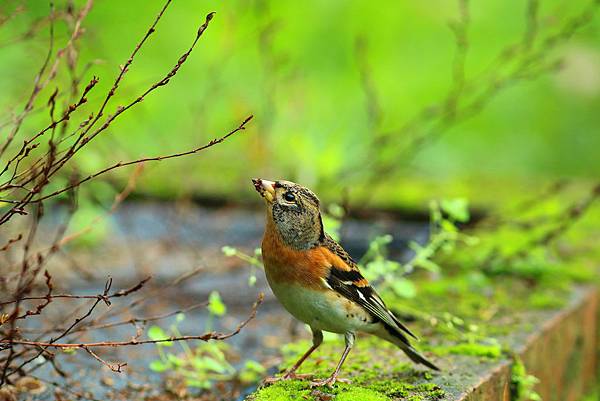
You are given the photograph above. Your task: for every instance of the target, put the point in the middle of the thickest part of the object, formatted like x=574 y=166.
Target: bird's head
x=293 y=210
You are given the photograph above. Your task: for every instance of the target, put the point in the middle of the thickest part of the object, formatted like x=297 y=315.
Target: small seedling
x=208 y=361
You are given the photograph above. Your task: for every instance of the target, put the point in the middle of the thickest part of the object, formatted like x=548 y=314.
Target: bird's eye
x=290 y=197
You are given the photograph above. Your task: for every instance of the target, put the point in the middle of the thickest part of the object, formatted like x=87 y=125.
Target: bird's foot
x=329 y=382
x=286 y=376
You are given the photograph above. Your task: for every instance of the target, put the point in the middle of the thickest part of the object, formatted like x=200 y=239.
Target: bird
x=317 y=281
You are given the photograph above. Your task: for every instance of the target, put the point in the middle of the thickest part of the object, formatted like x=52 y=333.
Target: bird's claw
x=329 y=382
x=286 y=376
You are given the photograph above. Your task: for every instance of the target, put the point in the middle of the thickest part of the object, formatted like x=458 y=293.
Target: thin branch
x=104 y=344
x=147 y=159
x=102 y=297
x=36 y=86
x=10 y=242
x=115 y=367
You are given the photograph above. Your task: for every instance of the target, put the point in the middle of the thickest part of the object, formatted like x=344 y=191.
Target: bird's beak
x=265 y=188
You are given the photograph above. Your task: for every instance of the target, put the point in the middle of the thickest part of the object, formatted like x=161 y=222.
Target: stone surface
x=561 y=354
x=557 y=347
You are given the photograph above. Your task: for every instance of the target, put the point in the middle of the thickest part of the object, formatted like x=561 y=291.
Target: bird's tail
x=394 y=336
x=414 y=355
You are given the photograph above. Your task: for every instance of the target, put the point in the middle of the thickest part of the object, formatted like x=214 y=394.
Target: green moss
x=363 y=390
x=392 y=388
x=399 y=389
x=353 y=393
x=593 y=396
x=546 y=300
x=284 y=391
x=493 y=351
x=301 y=390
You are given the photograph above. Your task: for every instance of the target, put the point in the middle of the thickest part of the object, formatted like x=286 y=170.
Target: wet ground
x=166 y=241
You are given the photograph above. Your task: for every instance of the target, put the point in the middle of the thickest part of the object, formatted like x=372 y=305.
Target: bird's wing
x=345 y=278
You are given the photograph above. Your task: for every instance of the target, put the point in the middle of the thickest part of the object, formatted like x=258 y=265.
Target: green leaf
x=229 y=250
x=428 y=265
x=175 y=360
x=199 y=364
x=254 y=366
x=403 y=287
x=156 y=333
x=205 y=384
x=335 y=211
x=375 y=268
x=214 y=365
x=158 y=366
x=448 y=226
x=215 y=304
x=457 y=209
x=251 y=372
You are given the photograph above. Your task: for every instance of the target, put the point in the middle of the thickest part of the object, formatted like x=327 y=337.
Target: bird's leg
x=317 y=340
x=291 y=372
x=330 y=381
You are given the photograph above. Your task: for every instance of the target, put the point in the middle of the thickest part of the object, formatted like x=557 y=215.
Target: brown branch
x=36 y=87
x=62 y=240
x=29 y=177
x=153 y=292
x=53 y=166
x=119 y=198
x=83 y=139
x=115 y=367
x=147 y=159
x=125 y=68
x=10 y=242
x=105 y=298
x=27 y=144
x=103 y=344
x=47 y=299
x=142 y=320
x=133 y=320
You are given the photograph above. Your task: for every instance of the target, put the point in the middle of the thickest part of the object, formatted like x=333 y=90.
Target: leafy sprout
x=255 y=261
x=207 y=362
x=444 y=237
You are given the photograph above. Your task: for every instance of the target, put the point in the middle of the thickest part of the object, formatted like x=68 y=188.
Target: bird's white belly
x=322 y=310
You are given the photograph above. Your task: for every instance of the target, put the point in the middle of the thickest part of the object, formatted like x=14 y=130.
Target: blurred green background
x=331 y=84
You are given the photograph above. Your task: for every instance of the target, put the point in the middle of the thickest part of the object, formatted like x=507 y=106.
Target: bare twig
x=103 y=344
x=36 y=87
x=104 y=298
x=28 y=172
x=147 y=159
x=115 y=367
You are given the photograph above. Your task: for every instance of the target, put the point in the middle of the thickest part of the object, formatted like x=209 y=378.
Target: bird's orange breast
x=284 y=264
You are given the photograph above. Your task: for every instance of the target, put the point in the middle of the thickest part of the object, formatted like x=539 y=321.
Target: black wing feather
x=343 y=281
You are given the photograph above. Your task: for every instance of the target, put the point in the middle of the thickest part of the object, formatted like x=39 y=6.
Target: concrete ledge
x=561 y=354
x=558 y=347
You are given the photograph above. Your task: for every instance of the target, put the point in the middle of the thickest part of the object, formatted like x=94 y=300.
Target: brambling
x=316 y=280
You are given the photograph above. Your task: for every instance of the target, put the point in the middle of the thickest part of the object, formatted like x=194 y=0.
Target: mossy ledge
x=473 y=371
